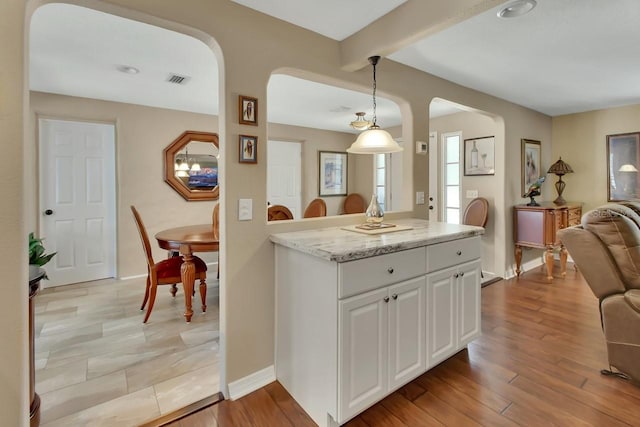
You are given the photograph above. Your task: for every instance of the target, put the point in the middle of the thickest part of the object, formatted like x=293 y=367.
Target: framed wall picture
x=623 y=163
x=247 y=110
x=531 y=167
x=332 y=173
x=479 y=156
x=248 y=146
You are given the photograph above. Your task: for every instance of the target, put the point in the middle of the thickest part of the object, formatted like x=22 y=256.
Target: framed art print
x=332 y=173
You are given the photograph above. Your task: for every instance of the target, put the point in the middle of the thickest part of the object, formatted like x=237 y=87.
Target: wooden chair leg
x=203 y=294
x=146 y=294
x=152 y=300
x=173 y=290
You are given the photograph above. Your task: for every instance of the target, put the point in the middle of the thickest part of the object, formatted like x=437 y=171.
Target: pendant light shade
x=374 y=140
x=360 y=123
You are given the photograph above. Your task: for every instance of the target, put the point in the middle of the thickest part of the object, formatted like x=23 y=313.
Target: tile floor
x=97 y=364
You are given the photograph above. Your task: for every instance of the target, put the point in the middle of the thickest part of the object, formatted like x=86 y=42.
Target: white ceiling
x=565 y=56
x=336 y=19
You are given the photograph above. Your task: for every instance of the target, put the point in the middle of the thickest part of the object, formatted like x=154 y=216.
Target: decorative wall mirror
x=191 y=165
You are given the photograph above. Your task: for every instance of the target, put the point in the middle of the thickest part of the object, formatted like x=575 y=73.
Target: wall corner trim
x=252 y=382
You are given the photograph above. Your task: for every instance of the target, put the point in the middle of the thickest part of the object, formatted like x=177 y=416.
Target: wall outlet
x=472 y=194
x=420 y=198
x=245 y=209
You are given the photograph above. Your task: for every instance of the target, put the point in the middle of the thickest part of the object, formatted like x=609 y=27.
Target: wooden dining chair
x=278 y=213
x=316 y=208
x=165 y=272
x=354 y=203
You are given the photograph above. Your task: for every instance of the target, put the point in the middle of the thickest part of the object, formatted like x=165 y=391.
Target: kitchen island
x=358 y=315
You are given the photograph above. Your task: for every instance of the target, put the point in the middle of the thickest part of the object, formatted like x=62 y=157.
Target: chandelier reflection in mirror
x=184 y=165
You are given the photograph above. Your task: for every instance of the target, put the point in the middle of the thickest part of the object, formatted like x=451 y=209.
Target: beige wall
x=581 y=140
x=14 y=386
x=141 y=135
x=314 y=140
x=474 y=125
x=240 y=36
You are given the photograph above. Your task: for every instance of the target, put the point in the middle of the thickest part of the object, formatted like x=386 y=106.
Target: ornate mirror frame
x=169 y=155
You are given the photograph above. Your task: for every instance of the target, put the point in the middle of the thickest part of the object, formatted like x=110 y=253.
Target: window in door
x=382 y=180
x=451 y=169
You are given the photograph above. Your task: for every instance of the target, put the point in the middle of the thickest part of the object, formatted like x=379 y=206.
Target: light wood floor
x=97 y=364
x=536 y=364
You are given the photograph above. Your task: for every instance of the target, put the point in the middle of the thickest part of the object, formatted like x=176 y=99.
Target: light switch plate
x=472 y=194
x=245 y=209
x=420 y=198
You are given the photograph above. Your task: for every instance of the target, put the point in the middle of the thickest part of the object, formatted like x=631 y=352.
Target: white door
x=362 y=365
x=77 y=200
x=407 y=335
x=468 y=303
x=434 y=167
x=284 y=179
x=442 y=306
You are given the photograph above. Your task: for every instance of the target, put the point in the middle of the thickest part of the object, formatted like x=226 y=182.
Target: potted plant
x=37 y=255
x=37 y=258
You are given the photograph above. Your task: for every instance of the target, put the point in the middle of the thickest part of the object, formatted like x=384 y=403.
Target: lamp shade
x=360 y=123
x=374 y=141
x=560 y=168
x=627 y=168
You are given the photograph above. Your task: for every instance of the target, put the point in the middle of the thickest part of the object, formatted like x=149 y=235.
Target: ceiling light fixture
x=374 y=140
x=127 y=69
x=360 y=123
x=517 y=8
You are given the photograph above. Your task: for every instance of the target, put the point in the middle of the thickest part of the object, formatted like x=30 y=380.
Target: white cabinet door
x=407 y=336
x=441 y=322
x=468 y=302
x=362 y=349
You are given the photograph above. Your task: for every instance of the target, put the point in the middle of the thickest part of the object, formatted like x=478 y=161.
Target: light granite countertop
x=337 y=244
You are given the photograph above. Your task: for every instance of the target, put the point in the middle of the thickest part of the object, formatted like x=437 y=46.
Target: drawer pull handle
x=386 y=299
x=455 y=275
x=394 y=296
x=459 y=253
x=390 y=270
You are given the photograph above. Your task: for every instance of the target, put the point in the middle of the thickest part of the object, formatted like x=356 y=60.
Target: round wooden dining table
x=187 y=240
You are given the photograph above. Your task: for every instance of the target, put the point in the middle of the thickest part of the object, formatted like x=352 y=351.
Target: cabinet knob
x=390 y=270
x=462 y=274
x=455 y=275
x=459 y=253
x=394 y=296
x=385 y=299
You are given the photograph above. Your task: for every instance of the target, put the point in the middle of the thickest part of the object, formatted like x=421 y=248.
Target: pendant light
x=374 y=140
x=360 y=123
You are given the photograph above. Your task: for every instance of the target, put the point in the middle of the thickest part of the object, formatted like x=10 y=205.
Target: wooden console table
x=536 y=227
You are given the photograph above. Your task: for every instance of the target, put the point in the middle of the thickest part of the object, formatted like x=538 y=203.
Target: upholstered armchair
x=606 y=250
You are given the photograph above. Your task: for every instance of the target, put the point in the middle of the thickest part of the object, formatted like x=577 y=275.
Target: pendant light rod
x=373 y=60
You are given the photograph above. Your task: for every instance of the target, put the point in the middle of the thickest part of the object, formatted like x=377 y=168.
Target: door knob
x=48 y=212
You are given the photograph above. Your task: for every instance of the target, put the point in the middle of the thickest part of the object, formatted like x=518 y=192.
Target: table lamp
x=629 y=170
x=560 y=168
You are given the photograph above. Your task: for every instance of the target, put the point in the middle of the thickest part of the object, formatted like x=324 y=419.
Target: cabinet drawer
x=448 y=254
x=575 y=216
x=365 y=274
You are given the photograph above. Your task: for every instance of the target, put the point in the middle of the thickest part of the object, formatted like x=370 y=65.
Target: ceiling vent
x=178 y=79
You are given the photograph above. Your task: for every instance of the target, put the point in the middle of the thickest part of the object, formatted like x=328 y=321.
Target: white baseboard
x=135 y=276
x=252 y=382
x=529 y=265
